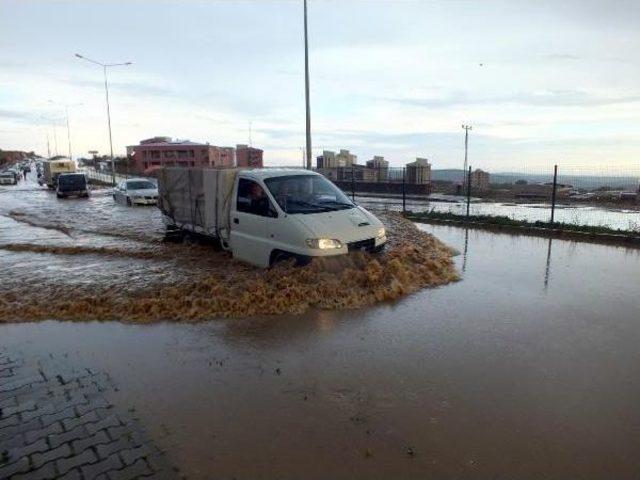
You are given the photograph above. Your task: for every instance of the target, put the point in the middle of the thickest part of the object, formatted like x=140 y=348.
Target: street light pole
x=66 y=113
x=466 y=129
x=55 y=136
x=106 y=90
x=306 y=87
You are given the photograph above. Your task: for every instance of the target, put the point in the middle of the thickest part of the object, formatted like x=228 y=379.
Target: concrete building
x=165 y=152
x=330 y=159
x=337 y=167
x=360 y=173
x=249 y=157
x=419 y=172
x=346 y=159
x=381 y=168
x=480 y=180
x=326 y=160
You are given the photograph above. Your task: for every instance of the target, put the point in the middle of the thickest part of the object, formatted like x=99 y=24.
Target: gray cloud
x=133 y=88
x=17 y=115
x=554 y=98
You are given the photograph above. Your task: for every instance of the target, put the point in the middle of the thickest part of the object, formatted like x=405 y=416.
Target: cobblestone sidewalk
x=56 y=423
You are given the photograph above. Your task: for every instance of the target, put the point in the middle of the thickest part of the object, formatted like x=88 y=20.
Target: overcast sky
x=541 y=82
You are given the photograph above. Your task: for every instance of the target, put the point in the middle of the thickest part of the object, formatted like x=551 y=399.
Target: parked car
x=72 y=185
x=8 y=178
x=265 y=215
x=136 y=191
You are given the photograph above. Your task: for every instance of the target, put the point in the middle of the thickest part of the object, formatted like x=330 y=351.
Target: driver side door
x=249 y=218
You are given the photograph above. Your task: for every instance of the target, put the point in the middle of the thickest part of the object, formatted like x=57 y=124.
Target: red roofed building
x=165 y=152
x=248 y=156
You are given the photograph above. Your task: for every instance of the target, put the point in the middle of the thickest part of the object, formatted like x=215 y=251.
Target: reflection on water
x=574 y=214
x=465 y=249
x=547 y=269
x=493 y=377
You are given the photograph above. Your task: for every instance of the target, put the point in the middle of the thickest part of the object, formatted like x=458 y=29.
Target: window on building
x=155 y=154
x=169 y=154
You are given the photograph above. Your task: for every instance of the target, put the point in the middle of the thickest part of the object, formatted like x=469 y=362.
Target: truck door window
x=253 y=199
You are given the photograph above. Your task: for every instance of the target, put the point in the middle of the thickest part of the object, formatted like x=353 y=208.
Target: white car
x=8 y=178
x=136 y=191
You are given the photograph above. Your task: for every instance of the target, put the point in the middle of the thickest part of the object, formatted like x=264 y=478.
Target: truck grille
x=368 y=244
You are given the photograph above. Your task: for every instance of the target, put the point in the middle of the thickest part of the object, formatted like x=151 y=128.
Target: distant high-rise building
x=330 y=159
x=326 y=160
x=346 y=159
x=419 y=172
x=380 y=167
x=480 y=180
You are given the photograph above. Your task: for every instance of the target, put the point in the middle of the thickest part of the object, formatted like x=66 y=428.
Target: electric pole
x=466 y=129
x=306 y=87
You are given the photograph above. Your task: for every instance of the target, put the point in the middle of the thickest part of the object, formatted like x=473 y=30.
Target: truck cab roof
x=263 y=173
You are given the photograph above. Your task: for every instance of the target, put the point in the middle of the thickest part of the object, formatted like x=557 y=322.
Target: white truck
x=265 y=215
x=51 y=169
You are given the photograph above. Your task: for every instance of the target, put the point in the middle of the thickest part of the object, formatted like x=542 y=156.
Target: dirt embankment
x=413 y=260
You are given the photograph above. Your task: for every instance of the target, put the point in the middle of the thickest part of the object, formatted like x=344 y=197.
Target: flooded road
x=528 y=368
x=93 y=259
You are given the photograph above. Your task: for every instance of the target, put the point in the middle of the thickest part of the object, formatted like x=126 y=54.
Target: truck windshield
x=73 y=182
x=307 y=194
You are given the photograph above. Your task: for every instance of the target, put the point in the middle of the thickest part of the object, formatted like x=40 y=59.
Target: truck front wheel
x=279 y=256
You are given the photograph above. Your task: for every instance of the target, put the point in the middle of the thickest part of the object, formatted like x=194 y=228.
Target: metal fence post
x=353 y=183
x=553 y=193
x=468 y=192
x=404 y=196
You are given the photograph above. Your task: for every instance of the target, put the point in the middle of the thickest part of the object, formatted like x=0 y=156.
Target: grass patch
x=510 y=222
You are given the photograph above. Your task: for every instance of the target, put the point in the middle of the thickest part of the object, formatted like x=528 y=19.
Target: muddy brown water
x=528 y=368
x=92 y=259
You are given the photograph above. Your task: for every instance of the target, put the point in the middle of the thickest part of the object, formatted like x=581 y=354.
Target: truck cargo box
x=197 y=199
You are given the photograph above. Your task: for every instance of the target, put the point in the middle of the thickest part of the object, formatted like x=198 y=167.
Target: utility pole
x=106 y=90
x=306 y=87
x=466 y=129
x=48 y=148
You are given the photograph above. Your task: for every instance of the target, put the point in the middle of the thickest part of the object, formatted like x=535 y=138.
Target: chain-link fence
x=106 y=178
x=572 y=196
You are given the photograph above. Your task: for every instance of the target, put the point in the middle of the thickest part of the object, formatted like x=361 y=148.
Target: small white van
x=265 y=215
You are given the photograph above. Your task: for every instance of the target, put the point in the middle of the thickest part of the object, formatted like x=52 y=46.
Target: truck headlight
x=381 y=233
x=324 y=243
